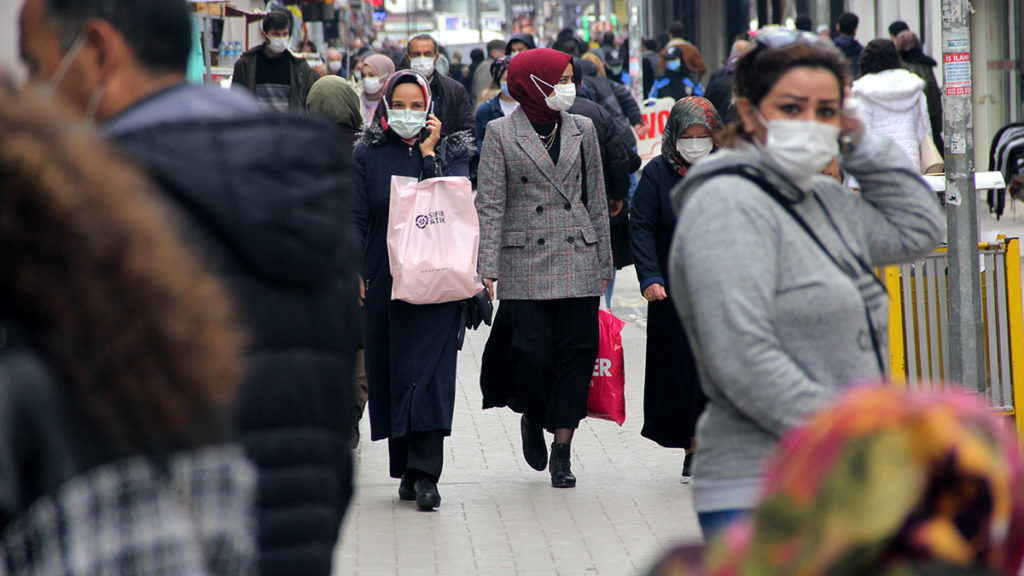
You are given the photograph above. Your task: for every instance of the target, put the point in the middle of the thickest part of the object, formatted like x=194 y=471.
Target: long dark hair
x=128 y=321
x=878 y=56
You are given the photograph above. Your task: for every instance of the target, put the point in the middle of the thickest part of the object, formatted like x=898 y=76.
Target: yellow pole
x=1015 y=323
x=897 y=352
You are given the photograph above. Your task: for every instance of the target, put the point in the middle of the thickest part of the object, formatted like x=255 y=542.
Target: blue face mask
x=504 y=88
x=672 y=64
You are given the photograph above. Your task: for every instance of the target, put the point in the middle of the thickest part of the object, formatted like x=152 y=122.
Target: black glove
x=484 y=308
x=471 y=313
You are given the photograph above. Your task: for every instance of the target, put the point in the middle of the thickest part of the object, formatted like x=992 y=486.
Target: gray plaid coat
x=536 y=237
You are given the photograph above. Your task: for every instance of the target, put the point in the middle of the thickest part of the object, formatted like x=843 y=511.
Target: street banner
x=655 y=114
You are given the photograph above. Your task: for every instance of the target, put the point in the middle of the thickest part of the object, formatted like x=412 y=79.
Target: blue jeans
x=714 y=523
x=608 y=293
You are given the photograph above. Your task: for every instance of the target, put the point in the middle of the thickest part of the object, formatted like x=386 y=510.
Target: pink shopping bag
x=433 y=236
x=607 y=397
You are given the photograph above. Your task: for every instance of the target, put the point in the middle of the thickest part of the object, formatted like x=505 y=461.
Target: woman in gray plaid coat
x=544 y=245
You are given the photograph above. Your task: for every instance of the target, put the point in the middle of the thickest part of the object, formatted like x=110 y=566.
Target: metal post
x=967 y=355
x=508 y=17
x=636 y=52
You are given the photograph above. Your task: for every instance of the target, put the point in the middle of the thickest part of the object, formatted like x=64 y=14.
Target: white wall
x=876 y=15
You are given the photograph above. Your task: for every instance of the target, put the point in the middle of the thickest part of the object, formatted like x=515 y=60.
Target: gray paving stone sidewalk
x=498 y=516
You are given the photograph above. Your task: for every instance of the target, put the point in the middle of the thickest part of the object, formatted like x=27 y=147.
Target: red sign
x=962 y=57
x=958 y=90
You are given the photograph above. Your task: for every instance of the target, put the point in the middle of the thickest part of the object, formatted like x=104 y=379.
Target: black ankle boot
x=561 y=475
x=427 y=496
x=534 y=449
x=407 y=488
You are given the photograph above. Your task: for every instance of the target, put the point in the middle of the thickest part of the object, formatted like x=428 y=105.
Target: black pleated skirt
x=539 y=359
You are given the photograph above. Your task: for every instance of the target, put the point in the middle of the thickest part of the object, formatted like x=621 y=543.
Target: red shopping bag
x=607 y=398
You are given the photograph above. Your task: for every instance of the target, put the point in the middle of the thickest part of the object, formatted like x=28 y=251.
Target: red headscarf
x=547 y=65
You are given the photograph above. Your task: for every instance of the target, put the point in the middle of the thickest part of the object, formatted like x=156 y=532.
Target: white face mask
x=693 y=149
x=371 y=85
x=406 y=123
x=89 y=114
x=423 y=64
x=800 y=149
x=334 y=66
x=278 y=45
x=563 y=97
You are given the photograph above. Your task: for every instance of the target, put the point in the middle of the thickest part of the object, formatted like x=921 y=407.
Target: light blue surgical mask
x=504 y=88
x=673 y=64
x=406 y=123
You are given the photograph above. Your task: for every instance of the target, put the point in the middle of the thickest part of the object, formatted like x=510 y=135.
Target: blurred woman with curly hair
x=118 y=367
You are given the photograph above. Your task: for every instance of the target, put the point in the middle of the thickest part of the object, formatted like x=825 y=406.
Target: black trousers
x=422 y=452
x=553 y=346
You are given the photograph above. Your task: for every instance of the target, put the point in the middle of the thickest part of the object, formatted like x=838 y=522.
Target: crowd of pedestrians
x=200 y=283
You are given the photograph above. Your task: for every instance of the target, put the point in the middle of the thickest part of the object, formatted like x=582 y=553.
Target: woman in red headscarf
x=544 y=244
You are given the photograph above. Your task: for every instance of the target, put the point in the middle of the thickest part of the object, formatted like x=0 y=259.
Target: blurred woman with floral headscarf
x=884 y=482
x=672 y=396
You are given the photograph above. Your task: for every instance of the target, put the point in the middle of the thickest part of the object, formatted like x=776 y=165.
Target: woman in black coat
x=410 y=349
x=672 y=396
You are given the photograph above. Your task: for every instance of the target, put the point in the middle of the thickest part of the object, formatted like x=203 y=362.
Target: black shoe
x=534 y=449
x=407 y=488
x=687 y=462
x=427 y=496
x=561 y=475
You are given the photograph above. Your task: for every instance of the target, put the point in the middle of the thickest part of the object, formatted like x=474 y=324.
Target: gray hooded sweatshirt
x=778 y=329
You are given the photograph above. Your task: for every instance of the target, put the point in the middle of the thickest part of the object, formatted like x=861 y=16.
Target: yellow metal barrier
x=919 y=320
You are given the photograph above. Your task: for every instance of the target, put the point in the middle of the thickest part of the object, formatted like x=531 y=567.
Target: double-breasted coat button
x=570 y=239
x=567 y=206
x=540 y=209
x=540 y=242
x=525 y=179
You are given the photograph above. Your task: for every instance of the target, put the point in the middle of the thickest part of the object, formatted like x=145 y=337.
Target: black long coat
x=672 y=396
x=410 y=349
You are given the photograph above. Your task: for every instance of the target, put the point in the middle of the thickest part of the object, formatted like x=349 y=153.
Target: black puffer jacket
x=453 y=108
x=265 y=198
x=615 y=98
x=615 y=156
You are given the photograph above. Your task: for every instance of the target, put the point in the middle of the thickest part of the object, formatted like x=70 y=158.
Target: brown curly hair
x=133 y=327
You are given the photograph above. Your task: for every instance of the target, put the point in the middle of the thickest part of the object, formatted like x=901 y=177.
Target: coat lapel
x=528 y=140
x=568 y=166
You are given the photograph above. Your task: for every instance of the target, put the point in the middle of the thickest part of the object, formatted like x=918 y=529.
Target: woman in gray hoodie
x=771 y=266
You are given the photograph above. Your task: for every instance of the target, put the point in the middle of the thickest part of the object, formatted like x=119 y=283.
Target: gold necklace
x=549 y=140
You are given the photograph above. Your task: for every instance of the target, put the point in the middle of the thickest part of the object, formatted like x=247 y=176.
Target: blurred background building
x=711 y=24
